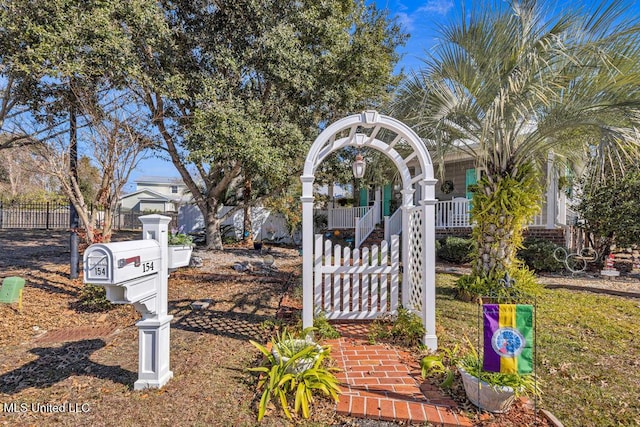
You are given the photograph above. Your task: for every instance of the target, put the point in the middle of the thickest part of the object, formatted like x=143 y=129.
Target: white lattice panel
x=415 y=270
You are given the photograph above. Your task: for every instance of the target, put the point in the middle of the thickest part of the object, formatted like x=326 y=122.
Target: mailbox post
x=136 y=272
x=153 y=332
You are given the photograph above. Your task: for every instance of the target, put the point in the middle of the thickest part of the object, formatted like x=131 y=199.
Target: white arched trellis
x=385 y=134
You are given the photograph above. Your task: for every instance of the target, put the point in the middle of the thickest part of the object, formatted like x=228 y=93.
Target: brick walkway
x=76 y=334
x=382 y=383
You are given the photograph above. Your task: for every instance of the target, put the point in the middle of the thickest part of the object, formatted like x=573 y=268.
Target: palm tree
x=511 y=82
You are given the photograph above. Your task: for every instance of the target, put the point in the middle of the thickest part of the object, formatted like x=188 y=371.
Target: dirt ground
x=63 y=365
x=91 y=379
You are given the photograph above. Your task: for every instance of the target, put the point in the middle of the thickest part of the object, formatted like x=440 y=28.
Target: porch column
x=377 y=204
x=407 y=205
x=427 y=205
x=552 y=185
x=307 y=250
x=562 y=208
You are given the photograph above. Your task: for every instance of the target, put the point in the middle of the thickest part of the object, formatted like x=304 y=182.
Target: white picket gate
x=358 y=284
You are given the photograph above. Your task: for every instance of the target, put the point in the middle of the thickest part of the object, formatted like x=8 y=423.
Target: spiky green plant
x=281 y=380
x=522 y=384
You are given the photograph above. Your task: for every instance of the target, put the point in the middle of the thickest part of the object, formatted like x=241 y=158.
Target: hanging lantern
x=358 y=167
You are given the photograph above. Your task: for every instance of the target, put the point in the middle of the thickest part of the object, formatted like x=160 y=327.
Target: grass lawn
x=588 y=351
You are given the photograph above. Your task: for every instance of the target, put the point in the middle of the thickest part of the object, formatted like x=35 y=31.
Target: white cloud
x=405 y=20
x=441 y=7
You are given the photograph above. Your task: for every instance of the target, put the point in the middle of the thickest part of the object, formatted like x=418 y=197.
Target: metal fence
x=127 y=220
x=42 y=215
x=55 y=216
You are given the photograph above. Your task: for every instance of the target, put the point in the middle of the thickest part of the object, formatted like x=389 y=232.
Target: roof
x=153 y=195
x=173 y=180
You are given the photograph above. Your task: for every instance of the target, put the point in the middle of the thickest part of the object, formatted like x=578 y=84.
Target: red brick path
x=382 y=383
x=76 y=334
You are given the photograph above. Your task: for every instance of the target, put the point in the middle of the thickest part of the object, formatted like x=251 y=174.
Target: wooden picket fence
x=358 y=284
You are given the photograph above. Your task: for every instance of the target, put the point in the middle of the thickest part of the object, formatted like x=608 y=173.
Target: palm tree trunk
x=496 y=245
x=502 y=208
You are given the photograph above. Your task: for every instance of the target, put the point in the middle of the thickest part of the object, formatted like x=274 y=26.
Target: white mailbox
x=136 y=272
x=127 y=270
x=115 y=263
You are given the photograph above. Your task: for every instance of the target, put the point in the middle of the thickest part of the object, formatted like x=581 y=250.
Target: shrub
x=405 y=328
x=281 y=380
x=323 y=328
x=524 y=287
x=94 y=298
x=456 y=250
x=537 y=254
x=178 y=238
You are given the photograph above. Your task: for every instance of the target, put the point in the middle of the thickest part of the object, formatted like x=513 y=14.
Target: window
x=174 y=189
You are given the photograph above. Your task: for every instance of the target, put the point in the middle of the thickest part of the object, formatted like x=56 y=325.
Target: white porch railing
x=365 y=225
x=455 y=213
x=341 y=218
x=392 y=225
x=452 y=213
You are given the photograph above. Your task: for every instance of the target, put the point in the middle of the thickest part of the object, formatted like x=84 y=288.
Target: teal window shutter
x=386 y=200
x=364 y=197
x=471 y=179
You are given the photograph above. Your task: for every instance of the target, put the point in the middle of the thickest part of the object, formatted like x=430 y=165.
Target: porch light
x=358 y=167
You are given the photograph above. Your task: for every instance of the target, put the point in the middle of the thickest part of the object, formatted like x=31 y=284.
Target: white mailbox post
x=136 y=272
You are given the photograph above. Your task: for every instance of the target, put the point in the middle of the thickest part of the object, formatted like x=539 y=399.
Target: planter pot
x=494 y=399
x=300 y=365
x=179 y=256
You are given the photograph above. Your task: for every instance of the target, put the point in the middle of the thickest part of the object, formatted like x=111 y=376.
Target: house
x=156 y=194
x=453 y=207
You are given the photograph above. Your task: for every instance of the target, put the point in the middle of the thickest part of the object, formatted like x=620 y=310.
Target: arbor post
x=307 y=250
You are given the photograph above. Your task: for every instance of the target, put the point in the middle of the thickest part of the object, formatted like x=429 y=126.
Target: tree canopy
x=231 y=90
x=610 y=208
x=240 y=88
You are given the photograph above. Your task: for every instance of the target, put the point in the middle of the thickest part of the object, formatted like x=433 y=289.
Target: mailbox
x=136 y=272
x=115 y=263
x=128 y=271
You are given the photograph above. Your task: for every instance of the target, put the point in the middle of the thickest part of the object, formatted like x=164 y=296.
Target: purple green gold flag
x=508 y=338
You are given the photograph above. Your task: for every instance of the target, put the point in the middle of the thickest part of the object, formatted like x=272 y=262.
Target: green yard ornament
x=11 y=291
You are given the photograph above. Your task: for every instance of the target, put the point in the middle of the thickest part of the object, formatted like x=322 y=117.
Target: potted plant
x=180 y=246
x=493 y=391
x=286 y=346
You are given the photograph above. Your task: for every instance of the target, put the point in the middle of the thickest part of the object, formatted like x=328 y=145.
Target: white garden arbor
x=365 y=285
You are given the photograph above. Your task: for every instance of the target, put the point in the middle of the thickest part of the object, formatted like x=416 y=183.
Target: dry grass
x=588 y=350
x=210 y=348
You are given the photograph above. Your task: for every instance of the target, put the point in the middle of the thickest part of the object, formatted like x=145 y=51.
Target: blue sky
x=418 y=18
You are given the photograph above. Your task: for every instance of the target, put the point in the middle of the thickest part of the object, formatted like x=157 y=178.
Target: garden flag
x=508 y=338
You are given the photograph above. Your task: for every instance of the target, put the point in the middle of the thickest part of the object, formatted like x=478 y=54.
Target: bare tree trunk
x=107 y=225
x=212 y=231
x=247 y=232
